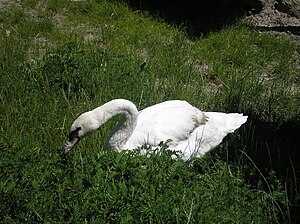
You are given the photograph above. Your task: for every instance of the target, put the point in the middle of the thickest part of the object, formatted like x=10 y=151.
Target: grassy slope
x=60 y=58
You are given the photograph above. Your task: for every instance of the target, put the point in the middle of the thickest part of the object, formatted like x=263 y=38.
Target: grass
x=117 y=187
x=60 y=58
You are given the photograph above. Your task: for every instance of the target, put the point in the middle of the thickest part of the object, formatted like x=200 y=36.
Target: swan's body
x=191 y=131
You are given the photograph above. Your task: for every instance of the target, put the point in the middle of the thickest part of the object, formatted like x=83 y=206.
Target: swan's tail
x=227 y=123
x=207 y=137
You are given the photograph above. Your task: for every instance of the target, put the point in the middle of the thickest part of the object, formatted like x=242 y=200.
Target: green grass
x=60 y=58
x=126 y=188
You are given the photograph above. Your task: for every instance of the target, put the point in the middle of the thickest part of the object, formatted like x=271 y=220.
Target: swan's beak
x=69 y=145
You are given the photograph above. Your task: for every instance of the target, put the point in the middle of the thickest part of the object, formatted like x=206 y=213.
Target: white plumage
x=192 y=132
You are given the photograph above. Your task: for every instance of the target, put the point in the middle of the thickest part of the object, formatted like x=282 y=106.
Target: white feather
x=192 y=132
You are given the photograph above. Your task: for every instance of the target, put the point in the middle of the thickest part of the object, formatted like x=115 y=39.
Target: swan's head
x=84 y=124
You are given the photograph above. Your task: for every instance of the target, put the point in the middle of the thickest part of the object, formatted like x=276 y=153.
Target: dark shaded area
x=198 y=17
x=272 y=147
x=284 y=29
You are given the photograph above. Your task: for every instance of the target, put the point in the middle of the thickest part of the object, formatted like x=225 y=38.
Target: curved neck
x=122 y=132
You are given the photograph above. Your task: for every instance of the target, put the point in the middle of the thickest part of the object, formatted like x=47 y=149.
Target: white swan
x=192 y=132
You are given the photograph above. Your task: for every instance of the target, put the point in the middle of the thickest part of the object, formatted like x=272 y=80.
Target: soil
x=269 y=19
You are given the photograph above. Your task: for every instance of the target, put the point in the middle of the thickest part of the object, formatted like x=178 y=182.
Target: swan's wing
x=174 y=120
x=210 y=135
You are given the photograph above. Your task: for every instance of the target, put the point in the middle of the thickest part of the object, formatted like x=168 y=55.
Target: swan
x=192 y=132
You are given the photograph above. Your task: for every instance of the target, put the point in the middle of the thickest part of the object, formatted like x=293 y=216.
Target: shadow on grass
x=198 y=17
x=274 y=149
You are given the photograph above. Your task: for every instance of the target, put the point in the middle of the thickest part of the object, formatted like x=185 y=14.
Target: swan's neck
x=122 y=132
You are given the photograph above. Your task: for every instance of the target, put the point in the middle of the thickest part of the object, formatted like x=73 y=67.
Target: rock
x=271 y=17
x=291 y=7
x=267 y=3
x=278 y=13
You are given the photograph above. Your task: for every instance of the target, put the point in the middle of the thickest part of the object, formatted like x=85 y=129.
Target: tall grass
x=58 y=59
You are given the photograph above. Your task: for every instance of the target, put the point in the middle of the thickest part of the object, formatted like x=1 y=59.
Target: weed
x=51 y=71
